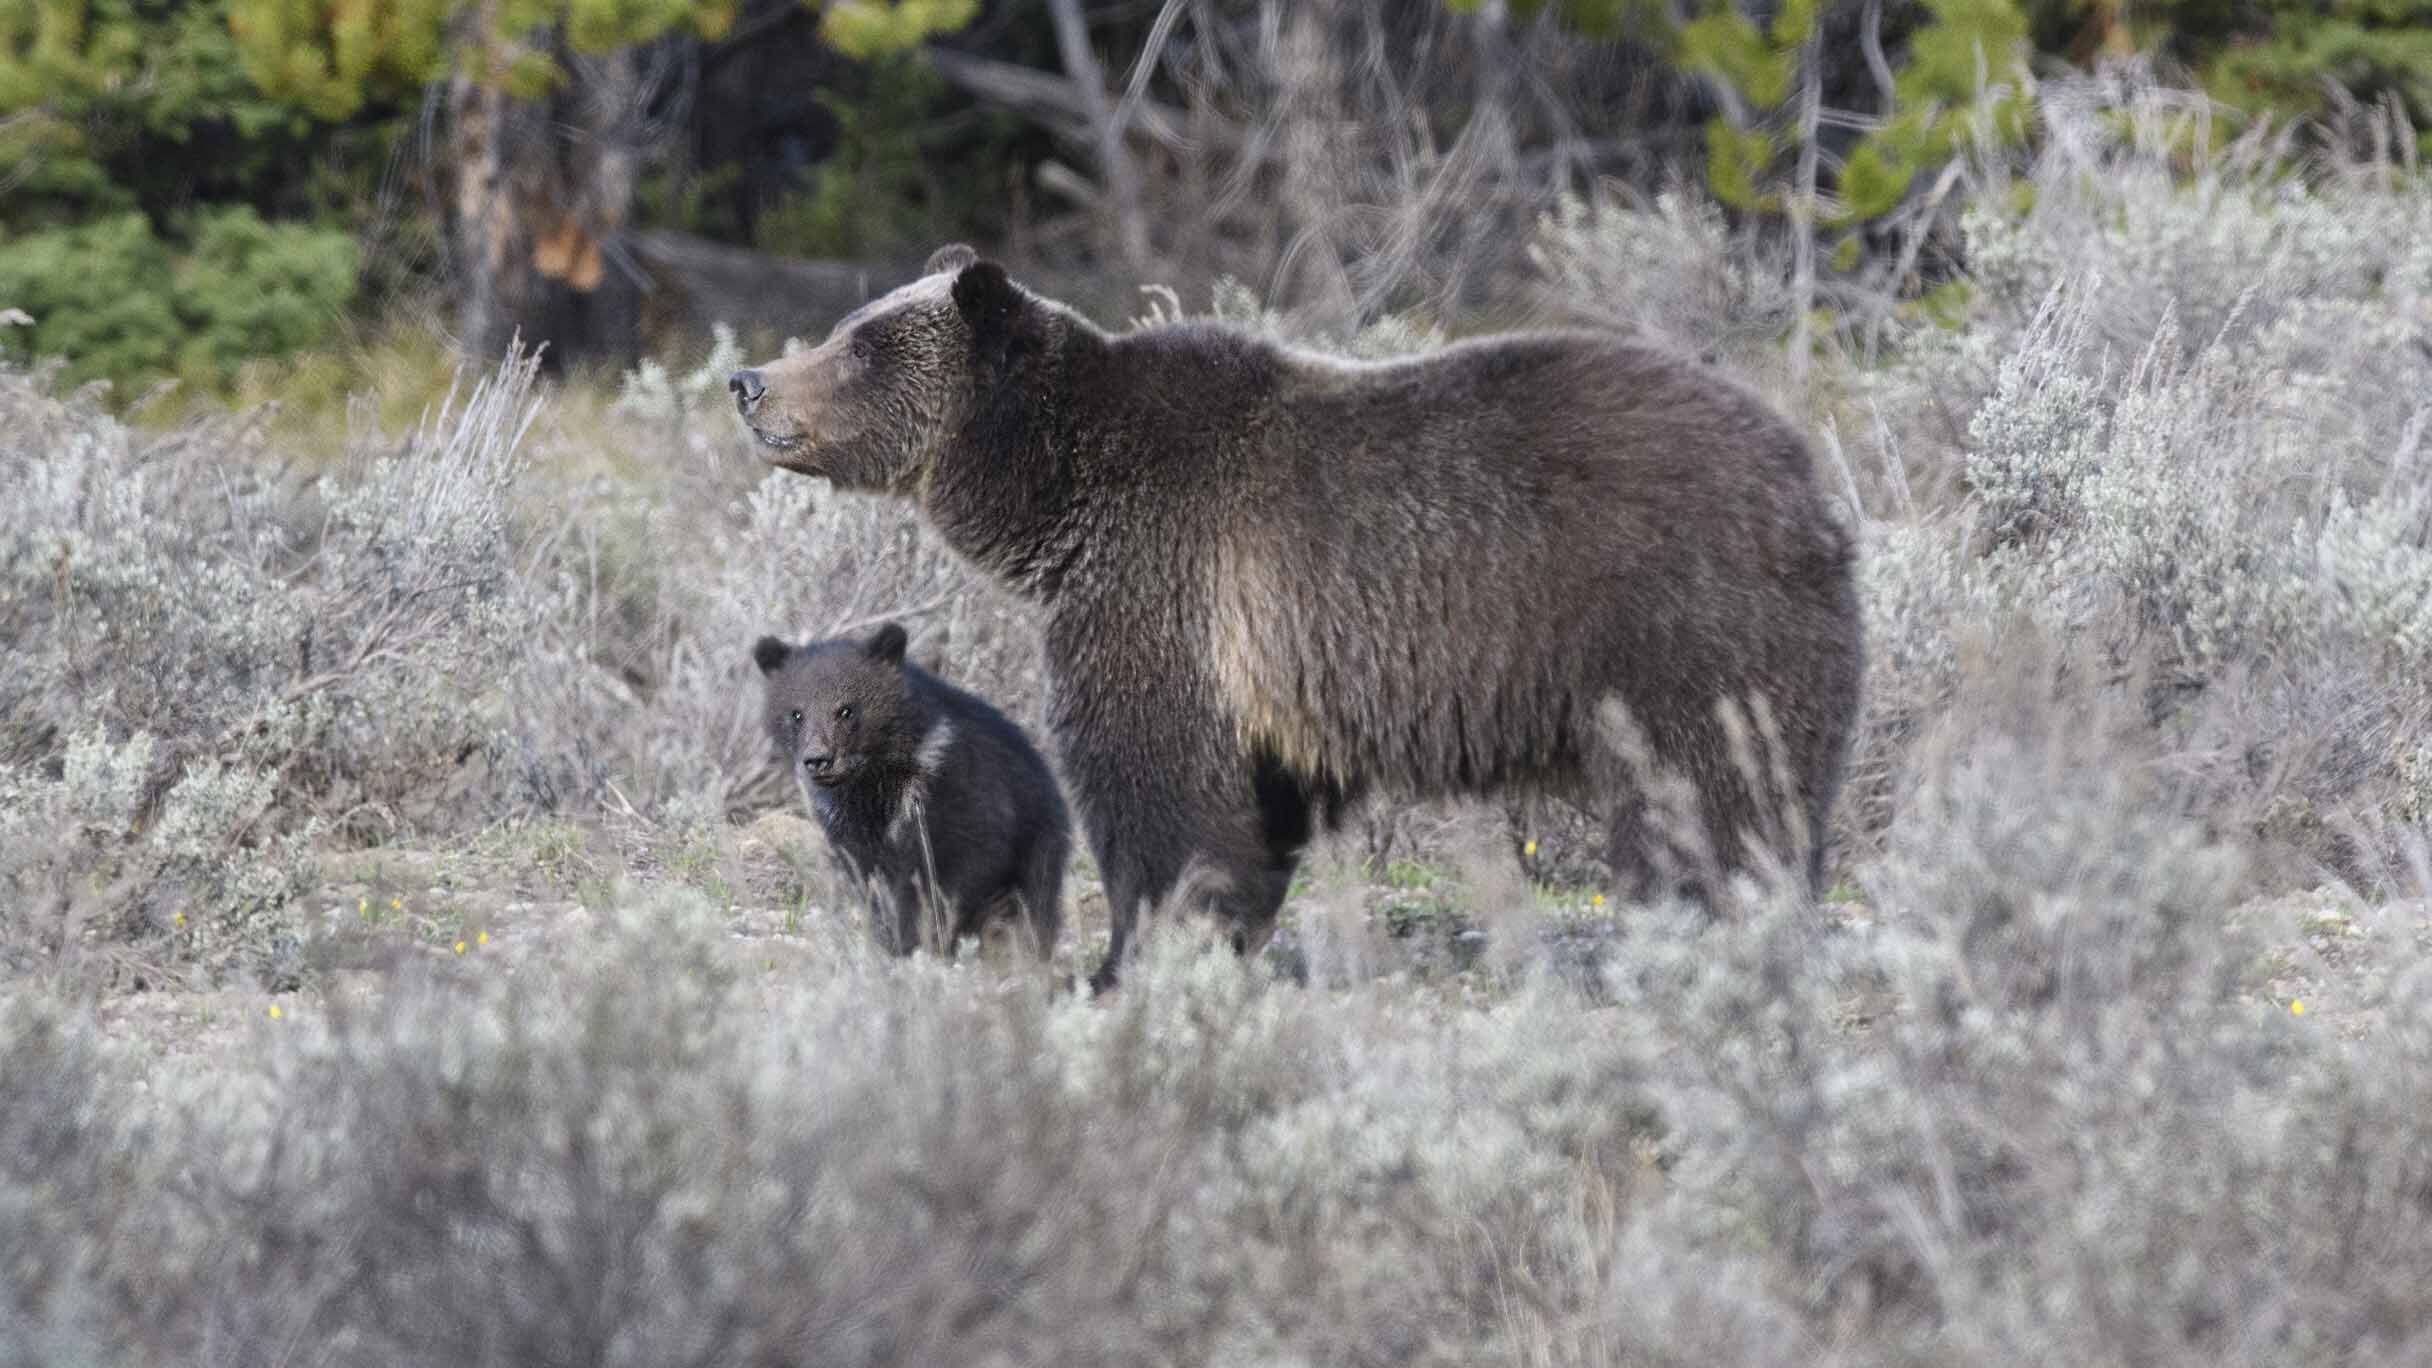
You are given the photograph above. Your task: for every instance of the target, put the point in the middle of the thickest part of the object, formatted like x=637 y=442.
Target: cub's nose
x=747 y=387
x=819 y=764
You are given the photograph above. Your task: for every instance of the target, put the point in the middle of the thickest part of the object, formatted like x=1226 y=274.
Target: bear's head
x=871 y=407
x=841 y=709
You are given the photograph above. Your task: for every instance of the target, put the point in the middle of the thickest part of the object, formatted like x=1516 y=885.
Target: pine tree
x=2269 y=58
x=545 y=102
x=1920 y=79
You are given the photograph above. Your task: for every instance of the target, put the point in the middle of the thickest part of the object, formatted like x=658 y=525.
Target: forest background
x=251 y=197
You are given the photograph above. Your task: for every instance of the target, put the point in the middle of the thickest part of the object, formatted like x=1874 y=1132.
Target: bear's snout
x=822 y=765
x=748 y=388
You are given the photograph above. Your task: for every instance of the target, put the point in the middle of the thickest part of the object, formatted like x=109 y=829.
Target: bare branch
x=1053 y=102
x=1803 y=210
x=1114 y=159
x=1137 y=85
x=1870 y=41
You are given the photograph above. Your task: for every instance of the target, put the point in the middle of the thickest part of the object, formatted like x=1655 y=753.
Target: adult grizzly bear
x=1273 y=581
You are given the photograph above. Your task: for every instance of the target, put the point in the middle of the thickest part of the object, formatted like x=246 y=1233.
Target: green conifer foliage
x=2370 y=48
x=1960 y=54
x=330 y=56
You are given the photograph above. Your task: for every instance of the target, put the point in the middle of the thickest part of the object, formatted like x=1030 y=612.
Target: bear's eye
x=861 y=348
x=797 y=717
x=843 y=711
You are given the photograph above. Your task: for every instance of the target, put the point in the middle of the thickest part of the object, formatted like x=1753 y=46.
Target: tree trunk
x=543 y=191
x=483 y=229
x=595 y=283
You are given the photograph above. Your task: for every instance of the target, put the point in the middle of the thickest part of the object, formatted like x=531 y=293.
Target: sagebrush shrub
x=2178 y=423
x=2032 y=1075
x=649 y=391
x=1673 y=269
x=282 y=656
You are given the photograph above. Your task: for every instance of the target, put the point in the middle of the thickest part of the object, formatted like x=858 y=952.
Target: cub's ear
x=987 y=299
x=769 y=653
x=954 y=256
x=887 y=647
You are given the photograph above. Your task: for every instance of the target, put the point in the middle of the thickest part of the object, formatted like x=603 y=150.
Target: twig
x=1050 y=100
x=922 y=609
x=1840 y=460
x=1870 y=41
x=1803 y=213
x=1151 y=49
x=1114 y=159
x=626 y=803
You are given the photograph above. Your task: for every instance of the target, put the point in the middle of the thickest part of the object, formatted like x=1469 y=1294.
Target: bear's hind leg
x=1663 y=839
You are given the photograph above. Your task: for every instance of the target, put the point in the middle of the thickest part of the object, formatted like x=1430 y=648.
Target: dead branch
x=1052 y=102
x=1115 y=167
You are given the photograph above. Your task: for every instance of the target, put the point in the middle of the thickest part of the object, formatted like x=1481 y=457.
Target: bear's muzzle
x=749 y=388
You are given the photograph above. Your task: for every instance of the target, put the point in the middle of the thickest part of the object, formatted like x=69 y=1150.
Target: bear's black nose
x=748 y=387
x=819 y=764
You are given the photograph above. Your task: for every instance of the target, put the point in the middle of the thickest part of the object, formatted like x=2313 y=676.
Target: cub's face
x=838 y=709
x=870 y=407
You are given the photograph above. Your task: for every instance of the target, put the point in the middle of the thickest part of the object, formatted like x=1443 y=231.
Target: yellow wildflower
x=396 y=904
x=275 y=1013
x=2296 y=1007
x=482 y=939
x=460 y=947
x=180 y=919
x=1599 y=900
x=363 y=907
x=1529 y=849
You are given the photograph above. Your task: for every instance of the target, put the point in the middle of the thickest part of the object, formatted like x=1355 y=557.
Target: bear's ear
x=769 y=653
x=954 y=256
x=987 y=299
x=887 y=647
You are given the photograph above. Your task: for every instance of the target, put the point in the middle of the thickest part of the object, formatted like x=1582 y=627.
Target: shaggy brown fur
x=1274 y=581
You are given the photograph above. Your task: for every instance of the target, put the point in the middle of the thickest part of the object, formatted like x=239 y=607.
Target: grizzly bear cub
x=929 y=796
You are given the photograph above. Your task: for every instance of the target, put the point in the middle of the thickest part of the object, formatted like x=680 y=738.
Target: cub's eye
x=862 y=349
x=797 y=717
x=843 y=711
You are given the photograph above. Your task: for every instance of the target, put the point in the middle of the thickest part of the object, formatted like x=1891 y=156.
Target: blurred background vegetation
x=231 y=193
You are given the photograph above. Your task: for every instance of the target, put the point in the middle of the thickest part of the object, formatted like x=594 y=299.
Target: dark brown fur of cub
x=929 y=797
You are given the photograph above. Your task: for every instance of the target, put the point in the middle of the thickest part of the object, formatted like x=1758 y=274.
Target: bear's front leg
x=1141 y=837
x=878 y=895
x=899 y=908
x=1158 y=814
